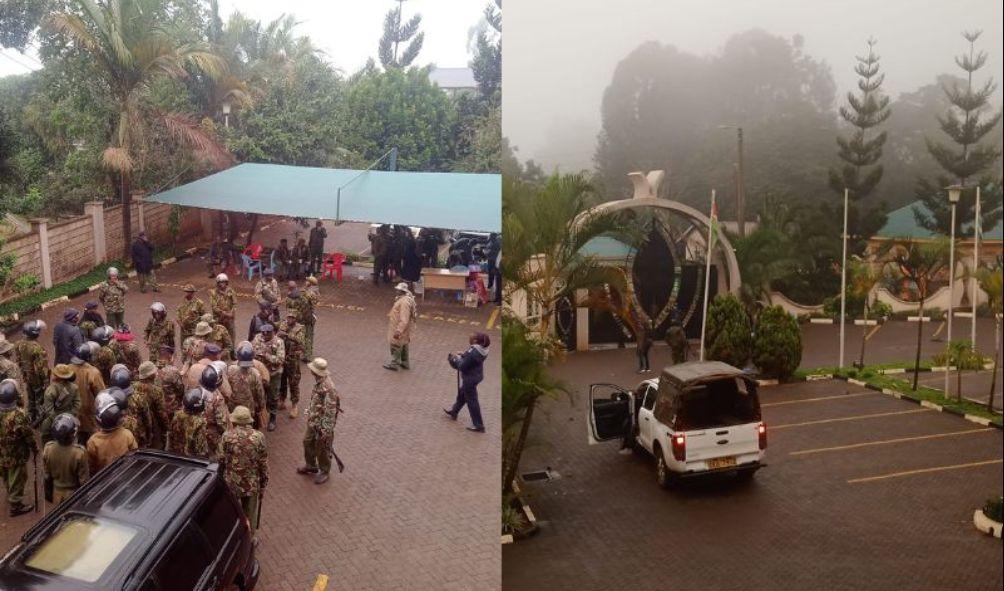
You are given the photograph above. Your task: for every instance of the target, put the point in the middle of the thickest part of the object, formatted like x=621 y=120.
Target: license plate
x=726 y=462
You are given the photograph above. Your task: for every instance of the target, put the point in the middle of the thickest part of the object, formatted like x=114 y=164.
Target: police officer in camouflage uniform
x=61 y=396
x=64 y=461
x=146 y=388
x=267 y=290
x=89 y=383
x=223 y=304
x=247 y=387
x=33 y=362
x=135 y=407
x=293 y=337
x=220 y=335
x=112 y=295
x=217 y=414
x=188 y=426
x=159 y=329
x=10 y=369
x=311 y=297
x=104 y=358
x=170 y=380
x=17 y=443
x=125 y=348
x=189 y=311
x=272 y=352
x=322 y=414
x=243 y=458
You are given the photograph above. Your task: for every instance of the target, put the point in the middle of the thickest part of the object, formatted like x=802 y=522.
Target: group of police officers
x=100 y=400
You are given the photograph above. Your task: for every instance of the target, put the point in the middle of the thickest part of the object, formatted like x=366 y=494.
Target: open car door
x=611 y=409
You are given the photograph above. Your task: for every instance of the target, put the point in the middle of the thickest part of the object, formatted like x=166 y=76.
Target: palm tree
x=990 y=280
x=920 y=263
x=764 y=256
x=524 y=381
x=863 y=277
x=131 y=51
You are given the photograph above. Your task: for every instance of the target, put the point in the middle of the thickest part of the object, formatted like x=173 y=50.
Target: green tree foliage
x=400 y=108
x=487 y=62
x=991 y=281
x=966 y=123
x=19 y=19
x=396 y=32
x=777 y=345
x=728 y=336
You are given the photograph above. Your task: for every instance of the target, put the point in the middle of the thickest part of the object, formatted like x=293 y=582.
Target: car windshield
x=82 y=548
x=718 y=403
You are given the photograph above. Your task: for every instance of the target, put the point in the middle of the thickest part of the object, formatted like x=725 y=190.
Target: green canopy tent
x=458 y=201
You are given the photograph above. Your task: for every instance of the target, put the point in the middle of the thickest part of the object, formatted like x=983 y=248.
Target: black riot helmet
x=8 y=394
x=211 y=378
x=120 y=377
x=33 y=328
x=120 y=396
x=64 y=428
x=106 y=411
x=103 y=334
x=82 y=355
x=194 y=401
x=245 y=355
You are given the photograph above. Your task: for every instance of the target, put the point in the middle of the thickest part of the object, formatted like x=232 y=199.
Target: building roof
x=902 y=223
x=457 y=201
x=453 y=78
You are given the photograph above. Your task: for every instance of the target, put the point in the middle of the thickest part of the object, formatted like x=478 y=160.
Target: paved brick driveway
x=800 y=524
x=417 y=507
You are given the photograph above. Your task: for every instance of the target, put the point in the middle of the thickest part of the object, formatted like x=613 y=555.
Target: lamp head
x=954 y=193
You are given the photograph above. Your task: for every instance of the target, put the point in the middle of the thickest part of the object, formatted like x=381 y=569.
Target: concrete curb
x=820 y=321
x=925 y=403
x=987 y=525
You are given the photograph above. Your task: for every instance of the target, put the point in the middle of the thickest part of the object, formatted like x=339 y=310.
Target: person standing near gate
x=322 y=414
x=316 y=246
x=401 y=317
x=470 y=365
x=243 y=458
x=112 y=294
x=142 y=261
x=223 y=304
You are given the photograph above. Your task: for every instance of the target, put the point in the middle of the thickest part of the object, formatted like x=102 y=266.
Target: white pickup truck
x=698 y=418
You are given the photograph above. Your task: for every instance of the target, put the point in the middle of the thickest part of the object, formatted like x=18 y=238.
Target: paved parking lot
x=975 y=385
x=861 y=491
x=417 y=507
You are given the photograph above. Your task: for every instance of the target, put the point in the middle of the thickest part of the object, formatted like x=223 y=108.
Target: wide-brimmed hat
x=207 y=317
x=189 y=288
x=318 y=367
x=147 y=369
x=402 y=287
x=312 y=280
x=202 y=329
x=241 y=416
x=63 y=371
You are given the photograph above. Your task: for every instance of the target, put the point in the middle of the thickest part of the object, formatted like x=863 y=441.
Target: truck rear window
x=719 y=403
x=82 y=548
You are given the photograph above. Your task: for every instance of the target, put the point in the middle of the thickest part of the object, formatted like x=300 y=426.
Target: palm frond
x=204 y=143
x=117 y=159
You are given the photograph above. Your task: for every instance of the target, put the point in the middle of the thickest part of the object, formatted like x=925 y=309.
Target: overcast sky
x=349 y=30
x=560 y=55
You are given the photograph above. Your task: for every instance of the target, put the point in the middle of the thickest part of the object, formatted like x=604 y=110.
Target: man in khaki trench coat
x=401 y=324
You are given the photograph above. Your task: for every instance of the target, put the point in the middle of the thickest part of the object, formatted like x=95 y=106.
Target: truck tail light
x=679 y=445
x=761 y=431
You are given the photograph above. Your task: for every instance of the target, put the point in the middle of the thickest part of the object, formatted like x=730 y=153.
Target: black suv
x=151 y=521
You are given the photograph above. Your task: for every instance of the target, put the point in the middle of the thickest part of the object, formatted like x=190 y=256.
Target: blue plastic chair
x=271 y=261
x=251 y=266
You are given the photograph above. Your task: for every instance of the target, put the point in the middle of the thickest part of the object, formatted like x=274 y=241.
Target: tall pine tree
x=487 y=62
x=968 y=162
x=396 y=32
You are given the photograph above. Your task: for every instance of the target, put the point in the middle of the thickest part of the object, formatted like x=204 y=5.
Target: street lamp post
x=976 y=263
x=954 y=193
x=740 y=180
x=226 y=115
x=843 y=281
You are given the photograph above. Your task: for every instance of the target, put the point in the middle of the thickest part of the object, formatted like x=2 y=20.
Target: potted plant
x=988 y=519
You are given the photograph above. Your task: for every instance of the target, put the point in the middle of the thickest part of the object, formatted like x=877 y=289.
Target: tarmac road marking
x=872 y=332
x=819 y=399
x=805 y=452
x=854 y=418
x=321 y=583
x=924 y=471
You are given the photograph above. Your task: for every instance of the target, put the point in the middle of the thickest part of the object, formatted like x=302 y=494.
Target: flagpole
x=843 y=283
x=707 y=269
x=976 y=264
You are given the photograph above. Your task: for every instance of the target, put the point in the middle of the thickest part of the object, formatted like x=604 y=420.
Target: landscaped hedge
x=729 y=335
x=777 y=343
x=33 y=301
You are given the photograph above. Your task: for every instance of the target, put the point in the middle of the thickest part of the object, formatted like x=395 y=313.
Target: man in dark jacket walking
x=142 y=260
x=66 y=337
x=470 y=365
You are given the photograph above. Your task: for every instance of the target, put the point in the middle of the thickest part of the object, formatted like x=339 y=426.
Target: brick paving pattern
x=799 y=524
x=417 y=507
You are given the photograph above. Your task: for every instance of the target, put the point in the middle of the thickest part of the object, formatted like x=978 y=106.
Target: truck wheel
x=663 y=476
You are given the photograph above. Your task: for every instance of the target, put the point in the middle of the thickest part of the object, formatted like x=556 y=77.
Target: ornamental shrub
x=777 y=344
x=728 y=336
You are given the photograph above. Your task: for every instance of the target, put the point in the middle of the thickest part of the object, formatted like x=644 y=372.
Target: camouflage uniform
x=159 y=416
x=188 y=435
x=312 y=295
x=223 y=305
x=268 y=291
x=33 y=363
x=112 y=297
x=127 y=353
x=192 y=350
x=170 y=381
x=59 y=397
x=88 y=382
x=221 y=336
x=88 y=325
x=273 y=355
x=104 y=360
x=138 y=417
x=293 y=341
x=217 y=421
x=67 y=466
x=189 y=312
x=17 y=442
x=244 y=462
x=248 y=390
x=10 y=369
x=322 y=414
x=157 y=333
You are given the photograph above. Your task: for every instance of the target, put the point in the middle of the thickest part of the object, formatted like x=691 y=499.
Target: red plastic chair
x=253 y=251
x=331 y=267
